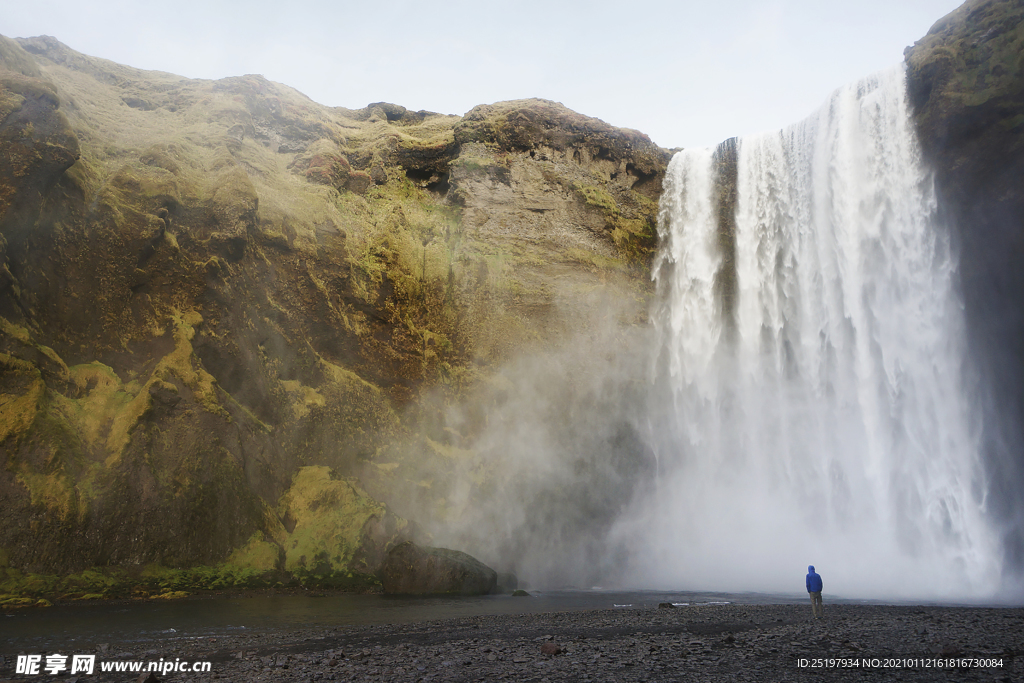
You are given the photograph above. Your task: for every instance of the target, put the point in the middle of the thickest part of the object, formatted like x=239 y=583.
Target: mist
x=802 y=394
x=561 y=453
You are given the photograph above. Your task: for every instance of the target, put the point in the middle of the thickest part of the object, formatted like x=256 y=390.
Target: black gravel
x=728 y=643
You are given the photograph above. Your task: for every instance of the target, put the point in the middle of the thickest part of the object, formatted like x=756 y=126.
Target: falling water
x=812 y=360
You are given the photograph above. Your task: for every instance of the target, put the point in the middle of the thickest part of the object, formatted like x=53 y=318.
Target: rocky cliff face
x=966 y=83
x=224 y=308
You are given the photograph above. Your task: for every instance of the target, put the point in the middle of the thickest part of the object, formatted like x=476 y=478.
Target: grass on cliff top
x=434 y=131
x=170 y=137
x=984 y=43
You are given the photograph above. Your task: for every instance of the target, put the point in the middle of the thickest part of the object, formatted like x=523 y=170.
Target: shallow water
x=84 y=626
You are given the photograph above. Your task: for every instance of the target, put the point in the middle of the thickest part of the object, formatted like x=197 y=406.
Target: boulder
x=507 y=582
x=411 y=569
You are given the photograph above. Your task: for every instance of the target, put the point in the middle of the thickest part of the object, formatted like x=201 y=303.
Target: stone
x=358 y=182
x=507 y=582
x=411 y=569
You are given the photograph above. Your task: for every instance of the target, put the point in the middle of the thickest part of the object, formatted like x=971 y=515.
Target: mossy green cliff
x=224 y=309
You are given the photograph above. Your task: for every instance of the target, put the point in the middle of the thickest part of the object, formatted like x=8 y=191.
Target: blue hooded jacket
x=813 y=581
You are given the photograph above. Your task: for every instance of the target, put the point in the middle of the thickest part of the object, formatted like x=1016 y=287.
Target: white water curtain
x=828 y=419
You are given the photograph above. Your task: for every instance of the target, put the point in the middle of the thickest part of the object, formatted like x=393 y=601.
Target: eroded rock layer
x=224 y=308
x=966 y=82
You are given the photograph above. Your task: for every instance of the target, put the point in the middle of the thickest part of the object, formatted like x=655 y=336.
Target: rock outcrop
x=535 y=169
x=413 y=570
x=966 y=84
x=229 y=316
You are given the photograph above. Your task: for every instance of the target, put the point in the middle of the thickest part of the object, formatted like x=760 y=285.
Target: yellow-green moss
x=329 y=516
x=303 y=398
x=598 y=197
x=170 y=595
x=108 y=410
x=53 y=490
x=9 y=329
x=103 y=397
x=594 y=260
x=257 y=554
x=18 y=410
x=14 y=601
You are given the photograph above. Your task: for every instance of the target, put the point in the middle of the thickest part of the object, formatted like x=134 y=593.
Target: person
x=814 y=588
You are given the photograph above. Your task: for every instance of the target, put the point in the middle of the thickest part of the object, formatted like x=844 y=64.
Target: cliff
x=227 y=311
x=966 y=83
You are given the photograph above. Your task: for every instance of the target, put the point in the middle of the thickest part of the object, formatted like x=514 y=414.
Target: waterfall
x=813 y=393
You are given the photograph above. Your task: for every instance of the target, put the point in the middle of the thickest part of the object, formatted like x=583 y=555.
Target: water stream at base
x=83 y=627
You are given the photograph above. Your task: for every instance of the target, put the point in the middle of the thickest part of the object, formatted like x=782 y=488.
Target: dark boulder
x=411 y=569
x=507 y=582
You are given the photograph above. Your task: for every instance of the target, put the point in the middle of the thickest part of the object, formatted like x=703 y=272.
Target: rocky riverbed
x=723 y=642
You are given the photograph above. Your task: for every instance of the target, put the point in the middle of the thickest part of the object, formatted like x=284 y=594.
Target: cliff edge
x=966 y=84
x=229 y=315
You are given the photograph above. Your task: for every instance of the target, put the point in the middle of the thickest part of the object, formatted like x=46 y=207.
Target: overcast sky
x=686 y=73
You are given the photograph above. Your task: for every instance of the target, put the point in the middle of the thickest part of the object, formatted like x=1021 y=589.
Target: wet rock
x=358 y=182
x=38 y=143
x=545 y=125
x=507 y=582
x=164 y=393
x=968 y=109
x=411 y=569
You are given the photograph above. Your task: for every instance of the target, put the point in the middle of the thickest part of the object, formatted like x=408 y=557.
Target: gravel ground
x=692 y=643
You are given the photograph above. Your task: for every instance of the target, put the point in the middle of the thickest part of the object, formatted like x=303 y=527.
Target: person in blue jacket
x=814 y=588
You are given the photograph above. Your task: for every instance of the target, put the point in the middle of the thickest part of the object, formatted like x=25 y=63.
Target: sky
x=688 y=74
